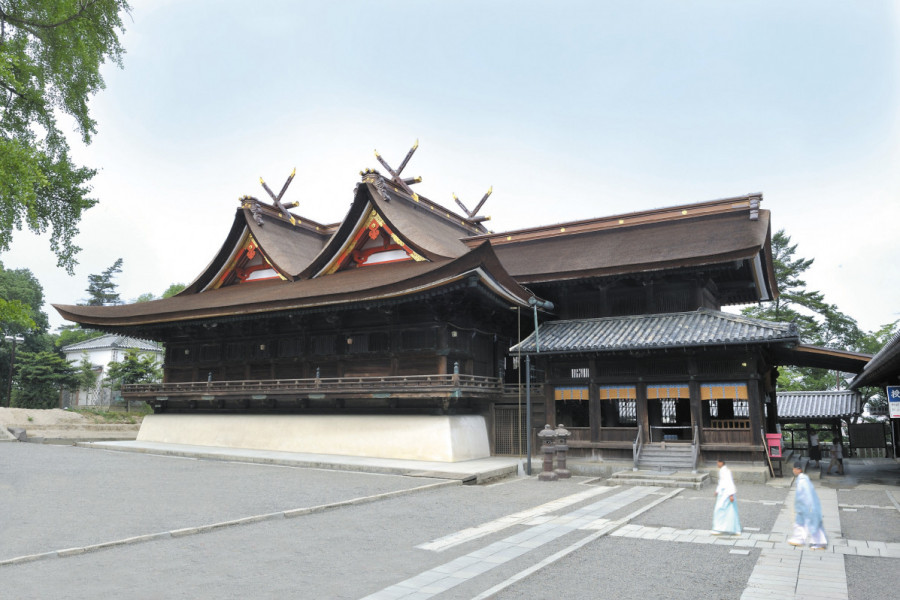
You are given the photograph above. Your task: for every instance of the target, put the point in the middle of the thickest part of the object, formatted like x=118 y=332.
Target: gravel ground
x=872 y=578
x=65 y=496
x=694 y=508
x=629 y=569
x=61 y=496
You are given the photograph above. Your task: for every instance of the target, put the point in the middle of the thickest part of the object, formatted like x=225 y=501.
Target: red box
x=773 y=443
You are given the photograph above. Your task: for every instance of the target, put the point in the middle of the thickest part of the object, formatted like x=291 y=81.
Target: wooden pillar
x=754 y=410
x=696 y=408
x=640 y=408
x=594 y=403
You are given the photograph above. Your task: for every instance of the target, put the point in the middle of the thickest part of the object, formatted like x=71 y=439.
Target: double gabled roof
x=389 y=248
x=392 y=245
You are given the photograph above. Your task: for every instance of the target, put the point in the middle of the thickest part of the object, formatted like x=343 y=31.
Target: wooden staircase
x=668 y=457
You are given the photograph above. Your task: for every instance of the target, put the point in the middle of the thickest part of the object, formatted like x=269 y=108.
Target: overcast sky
x=571 y=110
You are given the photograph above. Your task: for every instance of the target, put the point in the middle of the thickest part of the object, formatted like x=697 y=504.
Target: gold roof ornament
x=395 y=174
x=276 y=200
x=471 y=213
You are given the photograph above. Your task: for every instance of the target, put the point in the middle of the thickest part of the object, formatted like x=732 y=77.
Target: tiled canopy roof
x=110 y=341
x=703 y=327
x=818 y=405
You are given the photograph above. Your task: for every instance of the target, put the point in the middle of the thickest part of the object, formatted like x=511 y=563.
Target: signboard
x=893 y=394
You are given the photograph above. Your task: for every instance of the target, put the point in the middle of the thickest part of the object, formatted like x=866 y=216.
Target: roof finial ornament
x=395 y=175
x=276 y=200
x=471 y=213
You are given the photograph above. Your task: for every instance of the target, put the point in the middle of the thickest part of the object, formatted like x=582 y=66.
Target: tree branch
x=25 y=23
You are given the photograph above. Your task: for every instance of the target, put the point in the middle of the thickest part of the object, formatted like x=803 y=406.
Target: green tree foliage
x=21 y=299
x=135 y=367
x=15 y=315
x=102 y=289
x=72 y=334
x=173 y=289
x=39 y=377
x=50 y=57
x=87 y=376
x=170 y=291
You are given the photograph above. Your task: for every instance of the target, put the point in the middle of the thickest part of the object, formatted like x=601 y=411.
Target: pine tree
x=102 y=289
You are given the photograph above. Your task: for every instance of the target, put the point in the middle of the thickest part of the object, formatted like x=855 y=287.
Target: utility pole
x=12 y=360
x=546 y=305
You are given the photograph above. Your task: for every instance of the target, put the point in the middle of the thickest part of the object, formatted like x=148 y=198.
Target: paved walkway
x=540 y=531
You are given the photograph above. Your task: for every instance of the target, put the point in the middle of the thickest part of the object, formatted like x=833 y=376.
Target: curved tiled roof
x=818 y=405
x=111 y=341
x=703 y=327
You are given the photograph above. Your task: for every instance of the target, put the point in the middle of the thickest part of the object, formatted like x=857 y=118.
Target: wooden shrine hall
x=403 y=331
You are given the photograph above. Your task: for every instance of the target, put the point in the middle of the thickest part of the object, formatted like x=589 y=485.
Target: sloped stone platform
x=671 y=479
x=436 y=438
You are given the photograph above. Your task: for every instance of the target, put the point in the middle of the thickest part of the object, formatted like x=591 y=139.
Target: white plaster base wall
x=409 y=437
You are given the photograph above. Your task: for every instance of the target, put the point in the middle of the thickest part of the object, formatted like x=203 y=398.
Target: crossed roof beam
x=405 y=182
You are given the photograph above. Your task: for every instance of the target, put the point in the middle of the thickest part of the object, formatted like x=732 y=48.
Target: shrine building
x=405 y=329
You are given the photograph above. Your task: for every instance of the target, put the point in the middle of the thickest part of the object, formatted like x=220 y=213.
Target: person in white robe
x=725 y=514
x=808 y=527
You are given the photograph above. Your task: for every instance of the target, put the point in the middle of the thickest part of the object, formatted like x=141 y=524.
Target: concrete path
x=539 y=532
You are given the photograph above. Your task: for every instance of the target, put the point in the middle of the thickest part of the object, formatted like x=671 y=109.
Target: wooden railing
x=370 y=385
x=617 y=434
x=512 y=390
x=727 y=436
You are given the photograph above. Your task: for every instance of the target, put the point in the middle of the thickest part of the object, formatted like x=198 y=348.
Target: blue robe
x=725 y=514
x=808 y=525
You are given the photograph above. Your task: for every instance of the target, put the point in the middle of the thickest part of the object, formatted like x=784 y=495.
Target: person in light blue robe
x=808 y=527
x=725 y=514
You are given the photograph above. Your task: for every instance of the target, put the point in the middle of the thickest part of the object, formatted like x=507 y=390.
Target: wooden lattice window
x=509 y=430
x=322 y=344
x=417 y=339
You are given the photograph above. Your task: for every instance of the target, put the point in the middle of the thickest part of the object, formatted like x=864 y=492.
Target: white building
x=100 y=352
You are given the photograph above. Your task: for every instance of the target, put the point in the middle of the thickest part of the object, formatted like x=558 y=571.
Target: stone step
x=681 y=479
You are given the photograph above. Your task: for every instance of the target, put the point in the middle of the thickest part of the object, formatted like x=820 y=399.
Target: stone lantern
x=562 y=435
x=548 y=447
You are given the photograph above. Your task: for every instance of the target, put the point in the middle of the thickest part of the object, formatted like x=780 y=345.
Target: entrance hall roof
x=703 y=327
